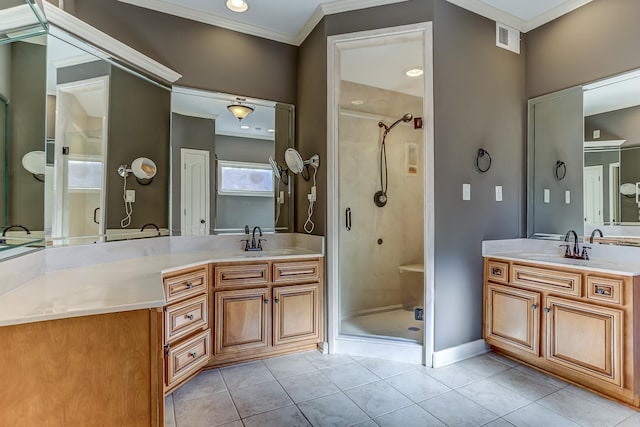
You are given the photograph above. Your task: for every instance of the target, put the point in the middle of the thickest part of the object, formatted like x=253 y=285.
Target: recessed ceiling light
x=244 y=127
x=357 y=102
x=414 y=72
x=271 y=130
x=237 y=6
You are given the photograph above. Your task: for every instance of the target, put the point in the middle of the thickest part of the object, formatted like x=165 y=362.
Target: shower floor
x=386 y=324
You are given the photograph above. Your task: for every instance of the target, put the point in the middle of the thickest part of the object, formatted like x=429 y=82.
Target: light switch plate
x=567 y=197
x=498 y=193
x=466 y=191
x=547 y=195
x=596 y=134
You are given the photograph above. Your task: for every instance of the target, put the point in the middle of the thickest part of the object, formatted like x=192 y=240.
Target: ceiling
x=523 y=15
x=612 y=94
x=286 y=21
x=291 y=21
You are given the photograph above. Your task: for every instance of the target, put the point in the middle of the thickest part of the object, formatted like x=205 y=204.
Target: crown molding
x=335 y=6
x=481 y=8
x=103 y=41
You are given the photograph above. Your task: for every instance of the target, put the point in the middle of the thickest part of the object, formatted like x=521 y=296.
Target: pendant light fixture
x=240 y=110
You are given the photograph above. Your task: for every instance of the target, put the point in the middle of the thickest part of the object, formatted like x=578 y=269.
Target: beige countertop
x=123 y=285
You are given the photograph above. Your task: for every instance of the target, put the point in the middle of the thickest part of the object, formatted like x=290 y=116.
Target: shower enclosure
x=379 y=194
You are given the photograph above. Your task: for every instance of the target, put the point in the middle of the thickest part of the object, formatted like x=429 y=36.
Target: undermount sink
x=265 y=253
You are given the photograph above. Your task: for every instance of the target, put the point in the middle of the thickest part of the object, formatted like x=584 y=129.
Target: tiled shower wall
x=370 y=275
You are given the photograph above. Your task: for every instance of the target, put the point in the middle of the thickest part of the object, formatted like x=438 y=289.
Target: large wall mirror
x=82 y=160
x=222 y=179
x=584 y=160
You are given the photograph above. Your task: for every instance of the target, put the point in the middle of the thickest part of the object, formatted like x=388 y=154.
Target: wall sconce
x=240 y=110
x=34 y=162
x=143 y=168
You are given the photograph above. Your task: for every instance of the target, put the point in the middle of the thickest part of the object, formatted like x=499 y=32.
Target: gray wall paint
x=479 y=102
x=27 y=130
x=208 y=57
x=592 y=42
x=138 y=127
x=238 y=211
x=558 y=130
x=198 y=134
x=621 y=124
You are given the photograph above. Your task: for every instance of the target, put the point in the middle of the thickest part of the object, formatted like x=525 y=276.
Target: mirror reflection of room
x=222 y=180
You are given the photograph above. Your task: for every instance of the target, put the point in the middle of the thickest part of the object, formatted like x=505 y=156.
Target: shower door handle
x=348 y=218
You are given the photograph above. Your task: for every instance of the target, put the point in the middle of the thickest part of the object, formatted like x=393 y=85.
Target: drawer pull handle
x=193 y=354
x=276 y=300
x=189 y=285
x=547 y=309
x=534 y=306
x=496 y=271
x=189 y=316
x=266 y=301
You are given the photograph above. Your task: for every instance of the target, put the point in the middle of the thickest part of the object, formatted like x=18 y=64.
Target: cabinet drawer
x=604 y=289
x=186 y=358
x=296 y=271
x=183 y=318
x=186 y=284
x=240 y=275
x=546 y=279
x=498 y=271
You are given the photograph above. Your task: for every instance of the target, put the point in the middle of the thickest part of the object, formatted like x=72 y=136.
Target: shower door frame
x=374 y=347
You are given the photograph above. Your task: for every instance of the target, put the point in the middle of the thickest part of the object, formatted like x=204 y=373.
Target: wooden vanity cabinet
x=571 y=322
x=266 y=308
x=186 y=325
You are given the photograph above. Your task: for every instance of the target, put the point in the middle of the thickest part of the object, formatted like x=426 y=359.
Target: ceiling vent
x=507 y=37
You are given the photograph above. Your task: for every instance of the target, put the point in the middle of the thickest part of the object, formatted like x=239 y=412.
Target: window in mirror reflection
x=245 y=179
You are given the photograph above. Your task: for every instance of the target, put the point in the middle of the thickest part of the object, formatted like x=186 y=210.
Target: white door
x=593 y=194
x=194 y=192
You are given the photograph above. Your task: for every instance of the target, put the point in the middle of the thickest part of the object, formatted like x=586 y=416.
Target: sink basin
x=265 y=253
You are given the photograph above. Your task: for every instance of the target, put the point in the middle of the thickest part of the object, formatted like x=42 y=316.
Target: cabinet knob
x=276 y=300
x=547 y=309
x=496 y=271
x=266 y=301
x=193 y=354
x=189 y=316
x=534 y=306
x=189 y=285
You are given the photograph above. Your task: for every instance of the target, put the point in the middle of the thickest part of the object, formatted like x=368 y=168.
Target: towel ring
x=481 y=153
x=561 y=170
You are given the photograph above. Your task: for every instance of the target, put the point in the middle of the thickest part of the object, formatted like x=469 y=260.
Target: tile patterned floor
x=312 y=389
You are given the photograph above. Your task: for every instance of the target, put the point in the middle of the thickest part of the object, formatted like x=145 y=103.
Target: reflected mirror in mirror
x=603 y=168
x=20 y=19
x=22 y=135
x=94 y=129
x=222 y=178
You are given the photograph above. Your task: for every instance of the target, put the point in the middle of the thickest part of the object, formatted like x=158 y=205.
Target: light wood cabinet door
x=585 y=338
x=296 y=313
x=512 y=318
x=241 y=320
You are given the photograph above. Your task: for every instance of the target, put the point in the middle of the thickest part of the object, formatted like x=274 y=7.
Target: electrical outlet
x=130 y=196
x=547 y=195
x=498 y=193
x=567 y=197
x=466 y=191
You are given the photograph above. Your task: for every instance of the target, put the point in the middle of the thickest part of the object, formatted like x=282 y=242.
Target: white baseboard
x=455 y=354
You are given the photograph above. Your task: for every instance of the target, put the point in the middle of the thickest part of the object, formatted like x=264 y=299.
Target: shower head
x=406 y=118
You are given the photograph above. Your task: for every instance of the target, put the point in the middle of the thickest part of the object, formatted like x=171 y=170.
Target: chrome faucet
x=9 y=227
x=576 y=248
x=253 y=245
x=593 y=234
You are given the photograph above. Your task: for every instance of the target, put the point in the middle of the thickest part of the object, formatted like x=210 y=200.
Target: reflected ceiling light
x=244 y=127
x=414 y=72
x=239 y=110
x=237 y=6
x=357 y=102
x=271 y=130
